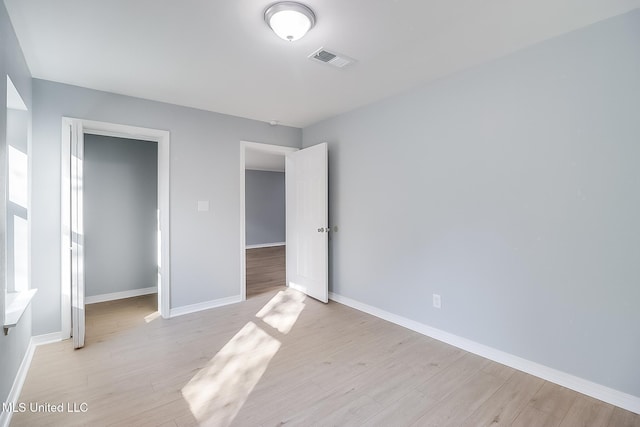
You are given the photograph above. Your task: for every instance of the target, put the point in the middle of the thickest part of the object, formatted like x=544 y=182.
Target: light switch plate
x=437 y=301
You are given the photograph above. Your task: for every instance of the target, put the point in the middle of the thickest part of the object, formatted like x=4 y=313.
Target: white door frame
x=267 y=148
x=76 y=232
x=162 y=137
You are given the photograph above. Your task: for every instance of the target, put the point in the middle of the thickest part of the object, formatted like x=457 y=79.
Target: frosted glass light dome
x=289 y=20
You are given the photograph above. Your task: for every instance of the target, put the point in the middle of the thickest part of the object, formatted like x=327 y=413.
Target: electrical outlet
x=437 y=301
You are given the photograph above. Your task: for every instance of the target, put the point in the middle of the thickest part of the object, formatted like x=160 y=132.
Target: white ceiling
x=219 y=55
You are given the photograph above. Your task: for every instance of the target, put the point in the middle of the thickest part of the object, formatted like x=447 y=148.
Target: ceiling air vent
x=332 y=58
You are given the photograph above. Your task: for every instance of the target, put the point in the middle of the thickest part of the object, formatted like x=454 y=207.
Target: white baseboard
x=265 y=245
x=193 y=308
x=46 y=338
x=597 y=391
x=21 y=375
x=120 y=295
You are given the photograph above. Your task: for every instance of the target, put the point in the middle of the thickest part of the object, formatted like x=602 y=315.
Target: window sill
x=14 y=307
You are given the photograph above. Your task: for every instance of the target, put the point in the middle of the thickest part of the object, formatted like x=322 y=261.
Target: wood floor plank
x=271 y=409
x=402 y=412
x=547 y=407
x=498 y=370
x=533 y=417
x=622 y=418
x=469 y=396
x=349 y=408
x=447 y=381
x=506 y=403
x=553 y=399
x=588 y=412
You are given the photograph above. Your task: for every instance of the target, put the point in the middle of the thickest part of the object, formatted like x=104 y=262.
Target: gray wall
x=264 y=207
x=511 y=189
x=120 y=214
x=13 y=346
x=205 y=165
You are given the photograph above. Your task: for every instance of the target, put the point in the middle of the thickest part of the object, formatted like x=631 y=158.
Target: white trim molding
x=266 y=245
x=18 y=382
x=597 y=391
x=46 y=338
x=21 y=375
x=15 y=304
x=120 y=295
x=194 y=308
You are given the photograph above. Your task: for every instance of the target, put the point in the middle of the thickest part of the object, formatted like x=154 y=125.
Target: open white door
x=308 y=221
x=77 y=235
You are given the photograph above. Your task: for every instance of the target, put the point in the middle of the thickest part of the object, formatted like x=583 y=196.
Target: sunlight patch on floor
x=151 y=317
x=218 y=391
x=282 y=311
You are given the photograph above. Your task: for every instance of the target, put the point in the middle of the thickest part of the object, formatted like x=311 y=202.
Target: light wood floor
x=266 y=270
x=280 y=358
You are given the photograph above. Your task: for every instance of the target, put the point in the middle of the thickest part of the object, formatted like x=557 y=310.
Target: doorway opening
x=120 y=205
x=264 y=223
x=153 y=274
x=262 y=218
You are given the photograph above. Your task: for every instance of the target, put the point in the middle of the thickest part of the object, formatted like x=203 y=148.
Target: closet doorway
x=74 y=243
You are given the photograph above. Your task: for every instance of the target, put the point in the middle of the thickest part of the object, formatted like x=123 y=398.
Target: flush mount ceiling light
x=289 y=20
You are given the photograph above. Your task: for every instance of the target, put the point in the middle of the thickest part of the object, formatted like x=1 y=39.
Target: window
x=16 y=205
